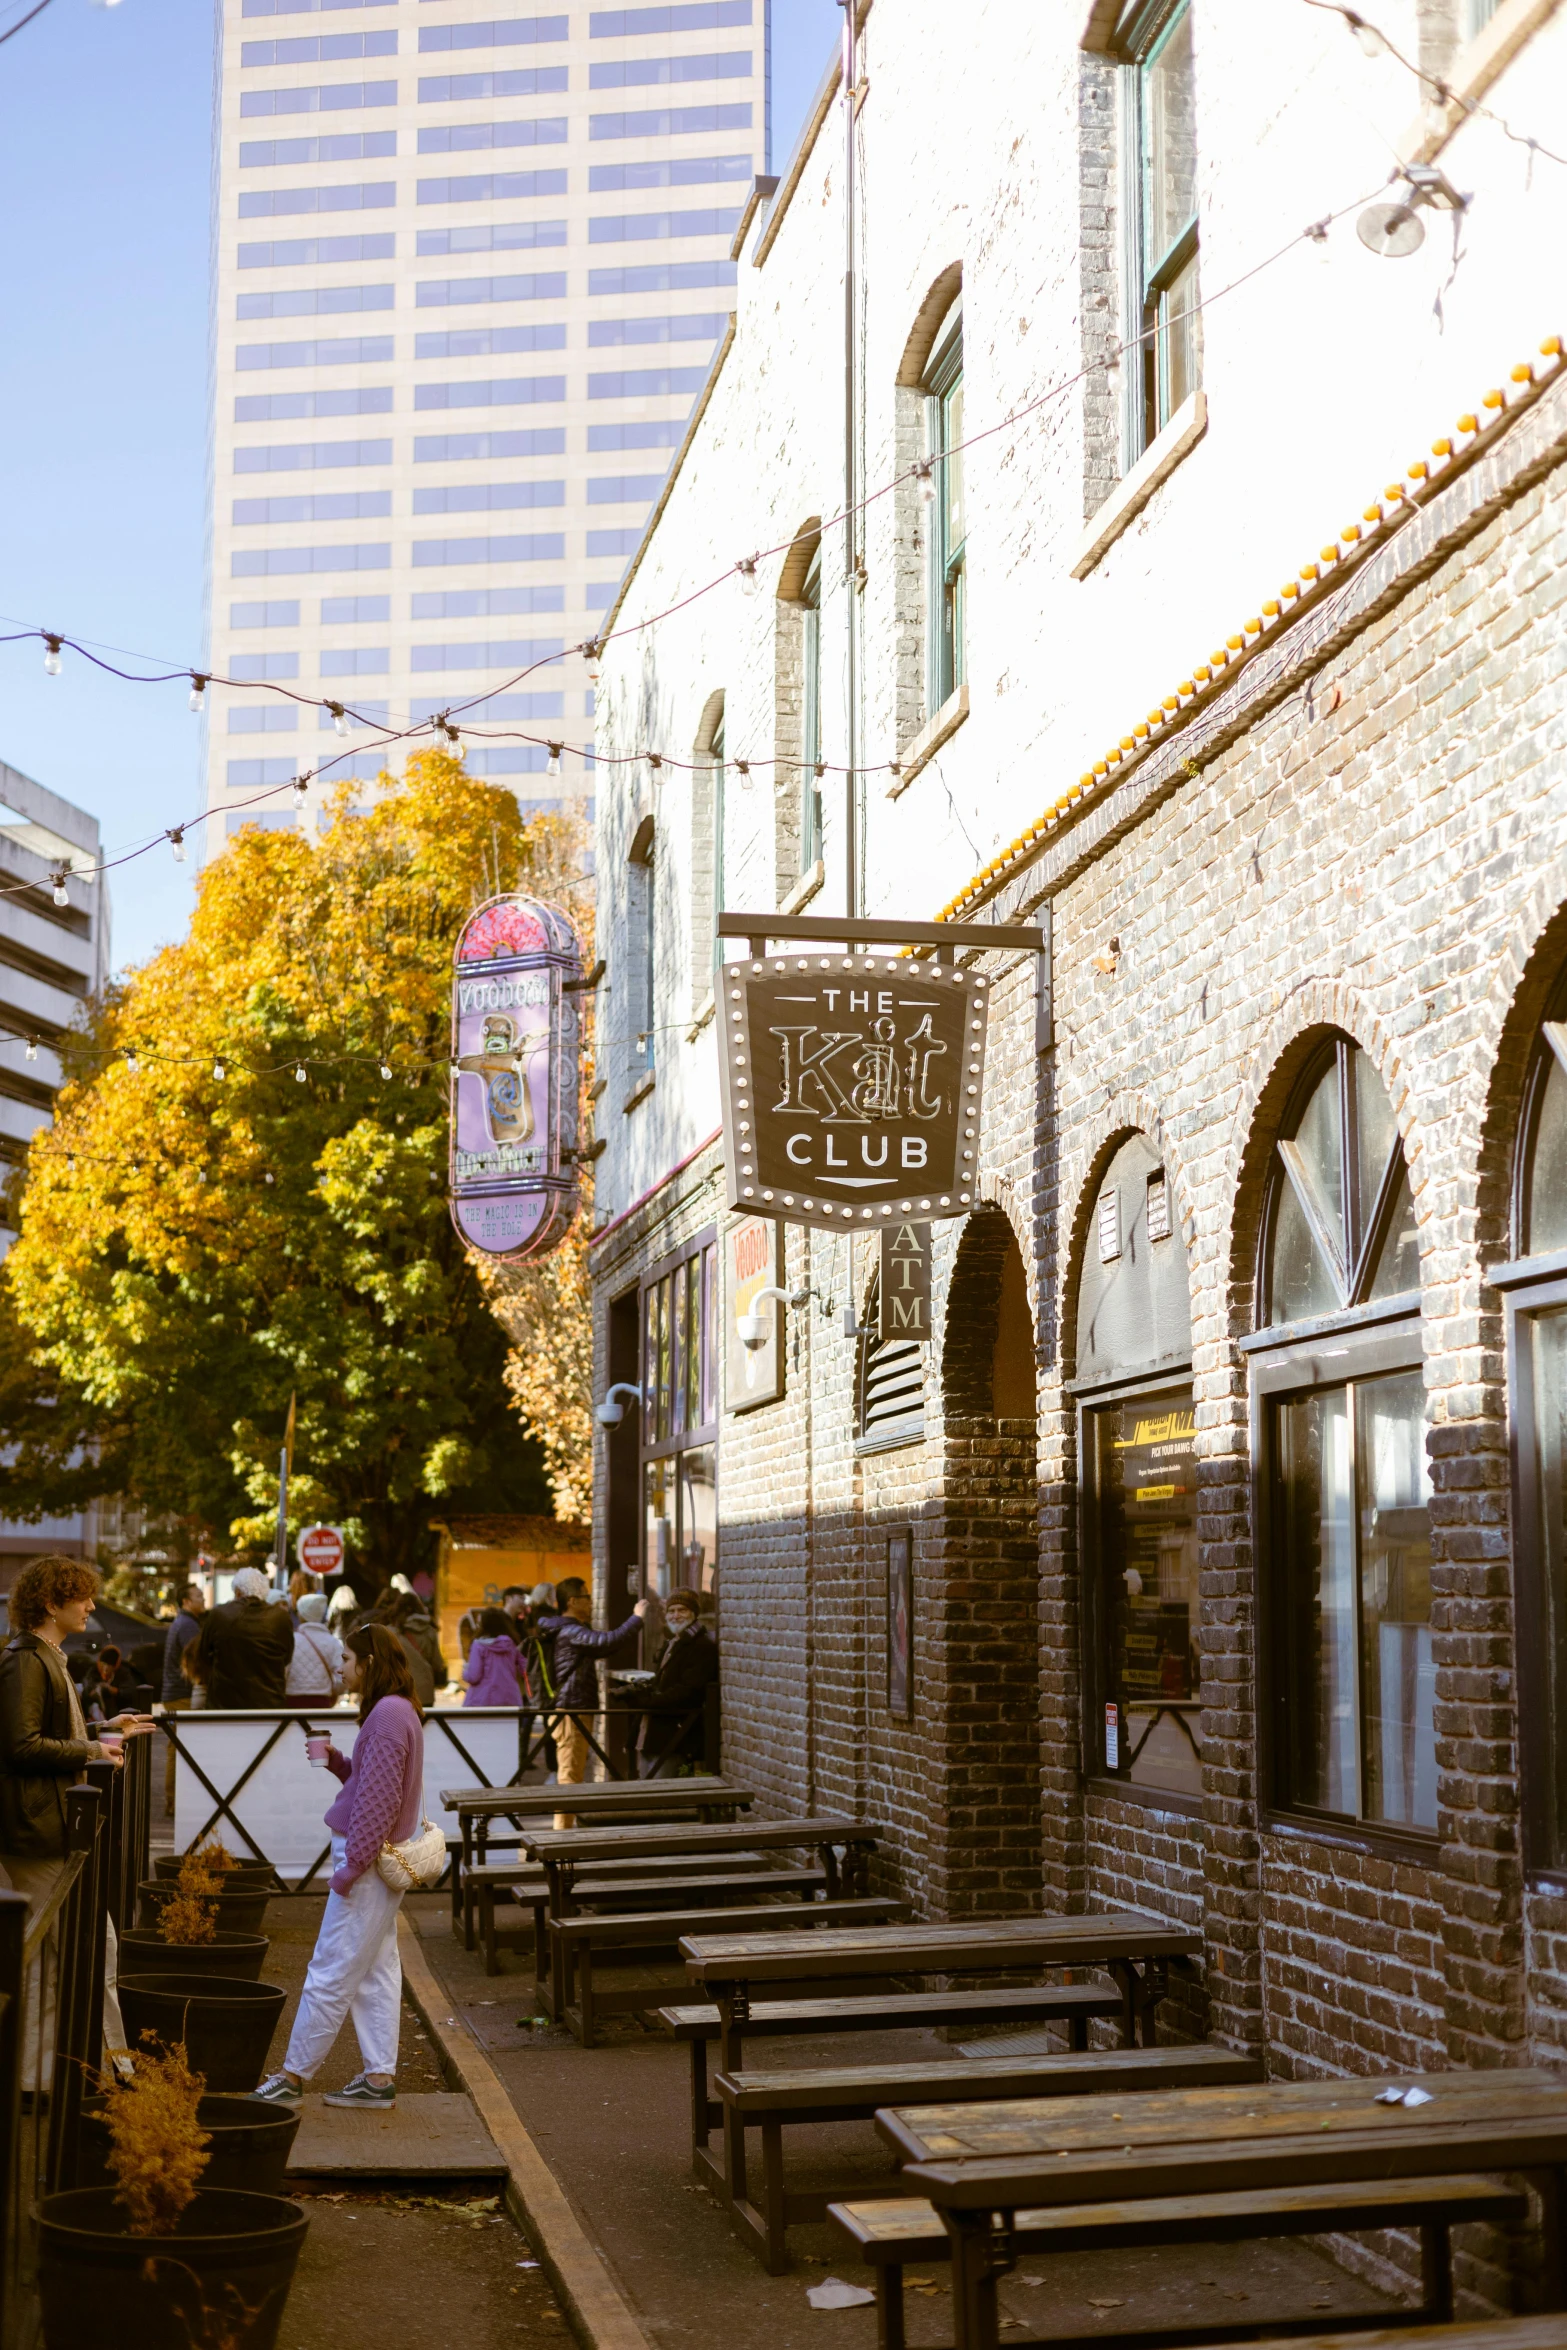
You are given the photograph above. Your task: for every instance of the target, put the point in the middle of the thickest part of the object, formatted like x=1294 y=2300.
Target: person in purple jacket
x=492 y=1670
x=355 y=1969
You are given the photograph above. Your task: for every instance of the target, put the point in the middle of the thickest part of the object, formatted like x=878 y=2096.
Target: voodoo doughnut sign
x=516 y=1057
x=852 y=1087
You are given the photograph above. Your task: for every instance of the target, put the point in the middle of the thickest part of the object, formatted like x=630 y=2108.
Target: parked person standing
x=246 y=1645
x=686 y=1671
x=577 y=1651
x=315 y=1670
x=175 y=1692
x=44 y=1746
x=355 y=1969
x=493 y=1670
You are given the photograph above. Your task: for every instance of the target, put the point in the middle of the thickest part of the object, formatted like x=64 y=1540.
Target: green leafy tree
x=236 y=1204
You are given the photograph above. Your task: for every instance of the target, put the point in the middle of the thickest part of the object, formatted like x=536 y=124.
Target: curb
x=599 y=2314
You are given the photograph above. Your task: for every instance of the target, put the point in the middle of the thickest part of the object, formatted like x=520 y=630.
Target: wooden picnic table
x=1136 y=1949
x=983 y=2165
x=561 y=1851
x=673 y=1799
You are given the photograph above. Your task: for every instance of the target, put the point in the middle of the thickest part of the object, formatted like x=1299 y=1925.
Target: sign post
x=516 y=1076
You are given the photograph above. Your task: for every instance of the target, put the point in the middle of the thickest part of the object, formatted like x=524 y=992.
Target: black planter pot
x=249 y=1877
x=249 y=2144
x=226 y=2025
x=238 y=1913
x=143 y=1951
x=232 y=2258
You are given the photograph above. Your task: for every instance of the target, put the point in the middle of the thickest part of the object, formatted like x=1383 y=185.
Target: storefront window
x=679 y=1469
x=1347 y=1546
x=1144 y=1492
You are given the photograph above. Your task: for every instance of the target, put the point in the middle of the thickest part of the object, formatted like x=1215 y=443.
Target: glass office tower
x=469 y=276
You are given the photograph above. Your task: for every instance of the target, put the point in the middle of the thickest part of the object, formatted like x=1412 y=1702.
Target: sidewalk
x=613 y=2122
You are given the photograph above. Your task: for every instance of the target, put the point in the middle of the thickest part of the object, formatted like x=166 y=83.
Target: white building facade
x=467 y=277
x=1203 y=608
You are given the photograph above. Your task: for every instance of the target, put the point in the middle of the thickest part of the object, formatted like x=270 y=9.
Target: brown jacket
x=40 y=1755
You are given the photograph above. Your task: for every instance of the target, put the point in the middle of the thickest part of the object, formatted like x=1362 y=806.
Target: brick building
x=1230 y=1481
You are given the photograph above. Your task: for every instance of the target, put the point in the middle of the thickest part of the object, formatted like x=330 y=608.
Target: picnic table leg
x=975 y=2269
x=1126 y=1983
x=560 y=1906
x=734 y=2013
x=829 y=1853
x=734 y=2155
x=583 y=1960
x=1551 y=2284
x=889 y=2306
x=700 y=2122
x=1436 y=2272
x=541 y=1940
x=774 y=2225
x=459 y=1873
x=492 y=1961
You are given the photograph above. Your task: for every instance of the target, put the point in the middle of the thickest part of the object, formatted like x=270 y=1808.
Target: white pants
x=355 y=1970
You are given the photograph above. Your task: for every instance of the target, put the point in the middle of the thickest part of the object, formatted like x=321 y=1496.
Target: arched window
x=1345 y=1502
x=1138 y=1454
x=1535 y=1286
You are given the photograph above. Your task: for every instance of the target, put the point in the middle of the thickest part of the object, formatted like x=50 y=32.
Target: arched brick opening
x=982 y=1575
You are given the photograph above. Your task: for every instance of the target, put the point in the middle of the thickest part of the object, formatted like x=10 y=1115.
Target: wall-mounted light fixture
x=609 y=1413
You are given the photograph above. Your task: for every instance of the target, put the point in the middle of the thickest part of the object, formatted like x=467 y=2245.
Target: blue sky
x=105 y=120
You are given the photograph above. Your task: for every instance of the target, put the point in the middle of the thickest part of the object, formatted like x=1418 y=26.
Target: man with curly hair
x=44 y=1746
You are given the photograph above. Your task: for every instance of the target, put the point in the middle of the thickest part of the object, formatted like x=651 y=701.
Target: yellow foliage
x=157 y=2148
x=547 y=1312
x=188 y=1921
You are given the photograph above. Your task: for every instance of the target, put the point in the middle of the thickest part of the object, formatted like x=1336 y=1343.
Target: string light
x=748 y=578
x=552 y=763
x=386 y=1072
x=218 y=1071
x=198 y=693
x=299 y=1074
x=51 y=656
x=300 y=787
x=339 y=719
x=60 y=892
x=131 y=1062
x=32 y=1049
x=177 y=843
x=925 y=476
x=593 y=652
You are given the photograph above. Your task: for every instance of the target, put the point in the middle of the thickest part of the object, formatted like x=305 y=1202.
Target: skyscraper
x=468 y=278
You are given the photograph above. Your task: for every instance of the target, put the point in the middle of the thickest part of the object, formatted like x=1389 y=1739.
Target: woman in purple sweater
x=355 y=1968
x=492 y=1669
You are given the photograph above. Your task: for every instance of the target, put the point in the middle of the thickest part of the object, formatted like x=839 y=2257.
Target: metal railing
x=53 y=1970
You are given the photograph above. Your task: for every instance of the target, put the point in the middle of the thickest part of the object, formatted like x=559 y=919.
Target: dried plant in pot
x=157 y=2258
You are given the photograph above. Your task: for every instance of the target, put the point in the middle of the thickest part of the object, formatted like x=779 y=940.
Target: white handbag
x=416 y=1864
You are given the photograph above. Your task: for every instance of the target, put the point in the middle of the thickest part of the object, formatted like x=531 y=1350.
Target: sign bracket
x=833 y=930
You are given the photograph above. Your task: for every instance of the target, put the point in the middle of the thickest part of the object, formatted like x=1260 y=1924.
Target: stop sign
x=321 y=1550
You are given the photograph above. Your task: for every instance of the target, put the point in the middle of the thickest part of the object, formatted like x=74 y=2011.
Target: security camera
x=609 y=1413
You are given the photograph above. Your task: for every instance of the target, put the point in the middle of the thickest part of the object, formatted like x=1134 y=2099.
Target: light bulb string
x=1441 y=90
x=590 y=646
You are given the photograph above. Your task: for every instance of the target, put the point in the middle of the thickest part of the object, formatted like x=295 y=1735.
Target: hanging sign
x=852 y=1087
x=903 y=1290
x=516 y=1064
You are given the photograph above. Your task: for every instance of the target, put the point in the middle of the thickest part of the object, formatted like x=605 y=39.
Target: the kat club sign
x=516 y=1058
x=852 y=1087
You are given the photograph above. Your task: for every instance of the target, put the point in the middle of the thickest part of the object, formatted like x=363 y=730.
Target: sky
x=105 y=152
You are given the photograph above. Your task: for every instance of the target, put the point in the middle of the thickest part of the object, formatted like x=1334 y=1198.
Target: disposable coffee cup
x=316 y=1744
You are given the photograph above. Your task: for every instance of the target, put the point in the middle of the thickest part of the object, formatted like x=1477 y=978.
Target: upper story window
x=1161 y=241
x=680 y=1422
x=1535 y=1286
x=1346 y=1490
x=949 y=515
x=811 y=714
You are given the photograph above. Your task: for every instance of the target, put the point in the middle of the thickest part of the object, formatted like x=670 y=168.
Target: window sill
x=1127 y=500
x=891 y=1439
x=1177 y=1801
x=928 y=741
x=805 y=888
x=1420 y=1845
x=705 y=1011
x=639 y=1092
x=1475 y=67
x=1367 y=1317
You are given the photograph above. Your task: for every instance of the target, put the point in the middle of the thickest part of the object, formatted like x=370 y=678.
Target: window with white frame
x=811 y=714
x=949 y=513
x=1163 y=332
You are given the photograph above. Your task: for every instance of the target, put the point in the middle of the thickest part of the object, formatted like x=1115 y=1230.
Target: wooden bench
x=524 y=1881
x=903 y=2232
x=574 y=1941
x=1072 y=2005
x=652 y=1894
x=771 y=2101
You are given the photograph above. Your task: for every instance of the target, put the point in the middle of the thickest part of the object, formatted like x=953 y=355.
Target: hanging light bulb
x=748 y=579
x=1370 y=41
x=339 y=719
x=177 y=843
x=218 y=1071
x=925 y=475
x=51 y=656
x=61 y=895
x=198 y=693
x=131 y=1061
x=552 y=763
x=386 y=1071
x=300 y=788
x=299 y=1074
x=594 y=649
x=32 y=1048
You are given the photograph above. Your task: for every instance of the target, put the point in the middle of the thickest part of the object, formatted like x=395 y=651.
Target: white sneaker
x=277 y=2089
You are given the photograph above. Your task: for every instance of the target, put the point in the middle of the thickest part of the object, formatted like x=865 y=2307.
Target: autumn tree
x=242 y=1198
